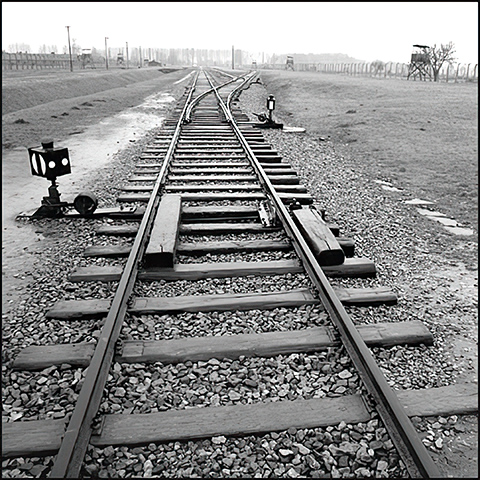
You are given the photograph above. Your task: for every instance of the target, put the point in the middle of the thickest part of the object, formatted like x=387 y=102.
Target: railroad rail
x=207 y=159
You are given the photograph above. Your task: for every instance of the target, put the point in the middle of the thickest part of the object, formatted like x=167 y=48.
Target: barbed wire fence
x=459 y=72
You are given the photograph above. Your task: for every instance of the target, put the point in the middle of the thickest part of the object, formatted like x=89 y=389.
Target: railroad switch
x=267 y=119
x=294 y=204
x=267 y=213
x=51 y=162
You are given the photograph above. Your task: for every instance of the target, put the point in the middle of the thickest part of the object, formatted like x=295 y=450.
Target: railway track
x=216 y=208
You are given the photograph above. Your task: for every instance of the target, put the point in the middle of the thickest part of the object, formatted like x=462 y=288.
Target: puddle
x=156 y=101
x=388 y=186
x=392 y=189
x=450 y=224
x=183 y=79
x=430 y=213
x=461 y=230
x=418 y=201
x=293 y=129
x=90 y=150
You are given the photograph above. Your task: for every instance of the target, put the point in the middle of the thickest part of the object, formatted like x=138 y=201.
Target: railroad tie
x=42 y=437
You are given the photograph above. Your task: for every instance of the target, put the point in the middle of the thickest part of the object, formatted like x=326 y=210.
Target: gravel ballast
x=408 y=257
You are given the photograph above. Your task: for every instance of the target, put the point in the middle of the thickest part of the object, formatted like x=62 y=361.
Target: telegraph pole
x=127 y=53
x=69 y=49
x=106 y=53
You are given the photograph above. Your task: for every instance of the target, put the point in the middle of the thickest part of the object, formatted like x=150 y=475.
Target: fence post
x=468 y=68
x=456 y=74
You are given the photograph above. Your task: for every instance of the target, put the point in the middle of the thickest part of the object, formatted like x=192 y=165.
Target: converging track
x=214 y=201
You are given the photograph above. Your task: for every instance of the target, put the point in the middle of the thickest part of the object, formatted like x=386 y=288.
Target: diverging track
x=222 y=284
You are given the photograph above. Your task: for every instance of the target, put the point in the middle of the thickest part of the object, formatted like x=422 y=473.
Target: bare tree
x=439 y=55
x=19 y=47
x=76 y=49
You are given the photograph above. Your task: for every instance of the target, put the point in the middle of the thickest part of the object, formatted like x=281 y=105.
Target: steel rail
x=414 y=454
x=72 y=450
x=196 y=100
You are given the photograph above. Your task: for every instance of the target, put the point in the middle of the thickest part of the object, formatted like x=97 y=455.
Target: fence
x=449 y=73
x=39 y=61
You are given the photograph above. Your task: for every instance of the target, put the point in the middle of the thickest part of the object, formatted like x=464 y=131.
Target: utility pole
x=233 y=57
x=127 y=53
x=106 y=53
x=140 y=54
x=69 y=49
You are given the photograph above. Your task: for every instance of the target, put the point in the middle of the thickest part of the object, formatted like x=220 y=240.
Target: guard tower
x=289 y=63
x=420 y=63
x=86 y=58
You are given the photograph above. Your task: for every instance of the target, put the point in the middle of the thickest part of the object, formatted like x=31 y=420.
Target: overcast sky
x=364 y=30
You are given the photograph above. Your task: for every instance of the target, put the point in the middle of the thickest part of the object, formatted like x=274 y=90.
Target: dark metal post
x=106 y=53
x=70 y=49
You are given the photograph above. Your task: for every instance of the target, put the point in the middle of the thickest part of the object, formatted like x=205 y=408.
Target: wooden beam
x=232 y=246
x=128 y=230
x=69 y=309
x=221 y=228
x=362 y=297
x=229 y=420
x=162 y=243
x=279 y=171
x=32 y=438
x=108 y=251
x=212 y=178
x=38 y=357
x=247 y=419
x=319 y=237
x=144 y=178
x=80 y=309
x=352 y=267
x=224 y=346
x=268 y=344
x=197 y=248
x=207 y=211
x=198 y=271
x=211 y=187
x=347 y=244
x=284 y=179
x=42 y=437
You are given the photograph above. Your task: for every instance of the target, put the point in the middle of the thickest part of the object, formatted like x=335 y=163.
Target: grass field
x=59 y=103
x=23 y=89
x=420 y=135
